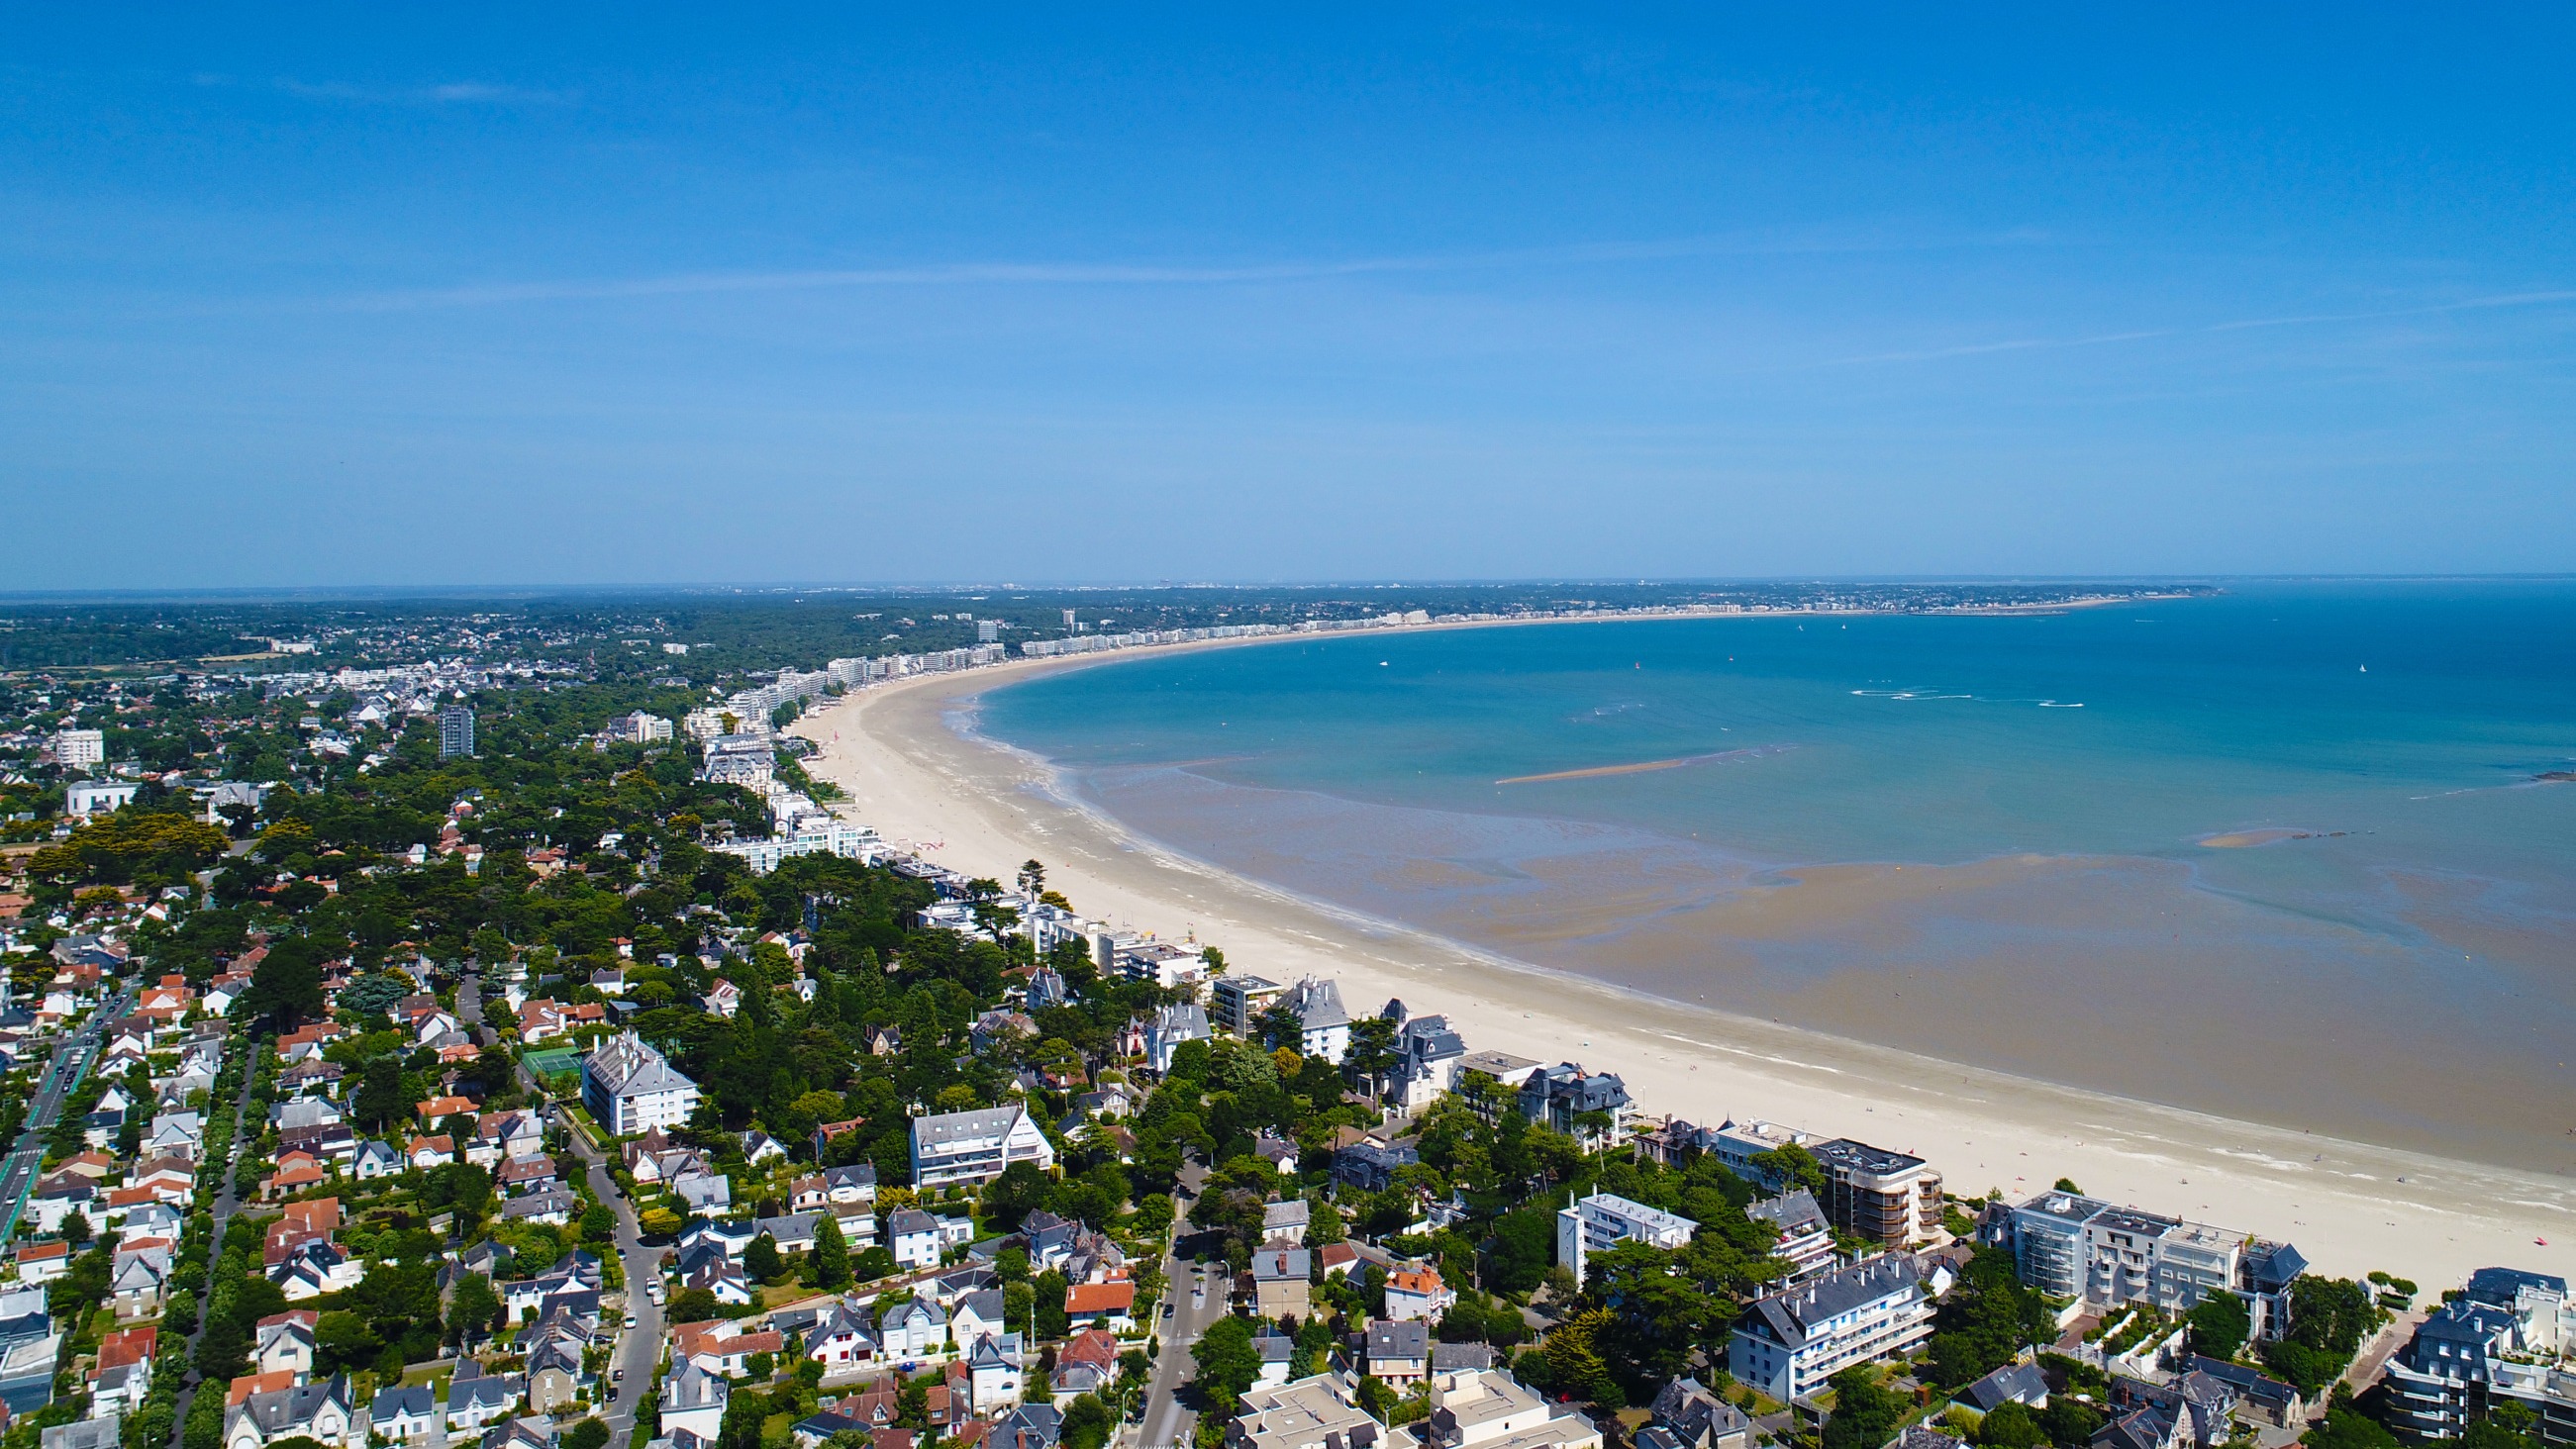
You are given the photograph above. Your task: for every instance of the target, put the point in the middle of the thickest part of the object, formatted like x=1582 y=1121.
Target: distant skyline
x=592 y=296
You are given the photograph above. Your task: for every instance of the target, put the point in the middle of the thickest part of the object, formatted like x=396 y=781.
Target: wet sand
x=983 y=808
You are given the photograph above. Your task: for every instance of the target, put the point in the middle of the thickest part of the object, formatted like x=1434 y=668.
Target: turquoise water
x=2383 y=949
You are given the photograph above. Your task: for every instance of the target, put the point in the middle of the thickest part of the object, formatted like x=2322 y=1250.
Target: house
x=2014 y=1383
x=428 y=1152
x=1596 y=1223
x=694 y=1399
x=315 y=1268
x=439 y=1109
x=400 y=1413
x=974 y=1147
x=527 y=1174
x=1283 y=1224
x=1788 y=1343
x=919 y=1240
x=1399 y=1354
x=1417 y=1295
x=297 y=1171
x=475 y=1398
x=1026 y=1426
x=1806 y=1241
x=43 y=1262
x=139 y=1274
x=373 y=1160
x=122 y=1377
x=1591 y=1107
x=994 y=1367
x=1371 y=1166
x=1171 y=1026
x=1688 y=1416
x=629 y=1087
x=721 y=1346
x=554 y=1368
x=285 y=1343
x=551 y=1206
x=843 y=1340
x=915 y=1328
x=706 y=1192
x=1102 y=1305
x=320 y=1412
x=500 y=1136
x=976 y=1315
x=98 y=1433
x=1279 y=1282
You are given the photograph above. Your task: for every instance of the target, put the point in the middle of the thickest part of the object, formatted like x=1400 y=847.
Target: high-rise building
x=80 y=749
x=455 y=731
x=988 y=631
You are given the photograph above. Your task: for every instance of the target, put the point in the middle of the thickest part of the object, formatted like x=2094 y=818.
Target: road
x=250 y=1046
x=1167 y=1421
x=638 y=1348
x=62 y=1075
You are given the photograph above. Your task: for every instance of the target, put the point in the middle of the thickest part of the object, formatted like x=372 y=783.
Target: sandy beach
x=2350 y=1206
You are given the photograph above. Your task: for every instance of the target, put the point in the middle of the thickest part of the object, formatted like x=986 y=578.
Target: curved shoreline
x=2350 y=1205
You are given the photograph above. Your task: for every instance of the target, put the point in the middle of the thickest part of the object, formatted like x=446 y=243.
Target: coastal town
x=489 y=1046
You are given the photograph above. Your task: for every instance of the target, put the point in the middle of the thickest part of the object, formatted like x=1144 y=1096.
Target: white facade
x=1604 y=1220
x=98 y=797
x=975 y=1146
x=1788 y=1344
x=630 y=1088
x=79 y=749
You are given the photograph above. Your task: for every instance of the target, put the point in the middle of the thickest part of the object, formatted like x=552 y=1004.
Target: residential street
x=225 y=1203
x=640 y=1347
x=1167 y=1421
x=62 y=1074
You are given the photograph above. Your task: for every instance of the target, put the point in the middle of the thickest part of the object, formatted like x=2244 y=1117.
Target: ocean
x=2285 y=854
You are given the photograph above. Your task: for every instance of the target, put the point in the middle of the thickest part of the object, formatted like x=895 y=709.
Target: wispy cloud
x=1157 y=275
x=484 y=93
x=2242 y=324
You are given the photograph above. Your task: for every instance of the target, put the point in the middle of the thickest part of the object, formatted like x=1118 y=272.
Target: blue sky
x=549 y=294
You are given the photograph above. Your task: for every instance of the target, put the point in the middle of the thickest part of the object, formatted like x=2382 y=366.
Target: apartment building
x=1489 y=1409
x=1806 y=1241
x=1789 y=1343
x=959 y=1147
x=1324 y=1024
x=2509 y=1336
x=628 y=1087
x=1236 y=999
x=80 y=749
x=1602 y=1221
x=2079 y=1247
x=1890 y=1198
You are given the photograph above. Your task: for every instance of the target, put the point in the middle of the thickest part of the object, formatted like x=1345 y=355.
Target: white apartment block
x=1602 y=1221
x=1788 y=1344
x=629 y=1087
x=959 y=1147
x=2079 y=1247
x=80 y=749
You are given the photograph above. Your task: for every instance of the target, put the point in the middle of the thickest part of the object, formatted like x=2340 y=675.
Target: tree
x=1021 y=1189
x=1985 y=1321
x=474 y=1309
x=2347 y=1427
x=831 y=1255
x=874 y=1263
x=2010 y=1426
x=1865 y=1414
x=286 y=986
x=2219 y=1324
x=590 y=1433
x=1792 y=1166
x=1524 y=1246
x=1658 y=1315
x=343 y=1340
x=379 y=1092
x=1227 y=1363
x=1575 y=1366
x=760 y=1260
x=1087 y=1421
x=2508 y=1425
x=598 y=1224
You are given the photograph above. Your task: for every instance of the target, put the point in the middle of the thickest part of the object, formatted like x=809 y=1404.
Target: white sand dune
x=2349 y=1206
